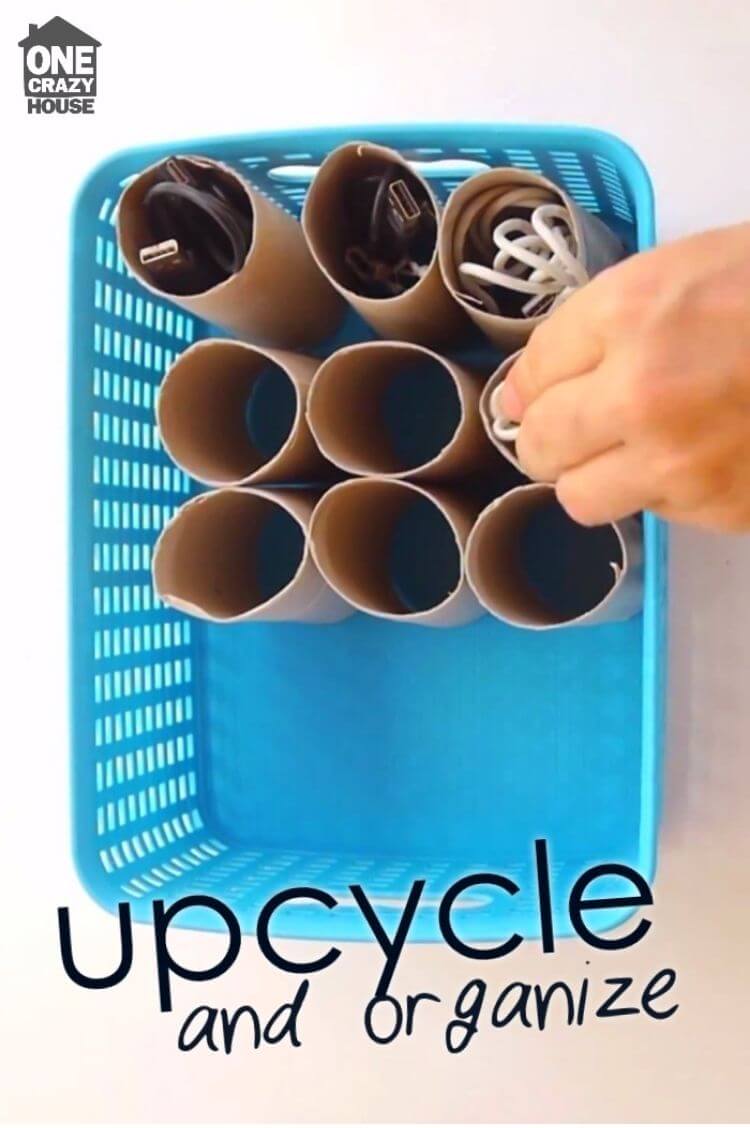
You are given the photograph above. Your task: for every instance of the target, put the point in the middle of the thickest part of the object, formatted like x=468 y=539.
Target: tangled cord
x=201 y=223
x=536 y=251
x=400 y=232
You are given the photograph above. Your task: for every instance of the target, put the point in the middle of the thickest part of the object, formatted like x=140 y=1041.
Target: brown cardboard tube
x=232 y=414
x=278 y=297
x=397 y=409
x=476 y=202
x=531 y=565
x=237 y=555
x=424 y=313
x=395 y=549
x=501 y=432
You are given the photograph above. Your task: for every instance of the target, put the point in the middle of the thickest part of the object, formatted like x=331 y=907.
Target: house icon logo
x=59 y=68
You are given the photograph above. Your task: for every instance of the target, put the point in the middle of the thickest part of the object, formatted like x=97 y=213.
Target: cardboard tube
x=500 y=432
x=235 y=556
x=597 y=245
x=233 y=414
x=279 y=296
x=395 y=549
x=424 y=313
x=396 y=409
x=531 y=565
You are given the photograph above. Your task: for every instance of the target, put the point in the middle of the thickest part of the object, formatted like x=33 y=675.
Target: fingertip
x=506 y=399
x=577 y=505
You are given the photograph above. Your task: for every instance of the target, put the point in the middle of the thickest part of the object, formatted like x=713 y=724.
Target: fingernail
x=507 y=401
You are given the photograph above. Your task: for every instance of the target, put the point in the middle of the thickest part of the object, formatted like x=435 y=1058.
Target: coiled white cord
x=536 y=256
x=502 y=426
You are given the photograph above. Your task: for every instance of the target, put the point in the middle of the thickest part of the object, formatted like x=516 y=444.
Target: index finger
x=567 y=344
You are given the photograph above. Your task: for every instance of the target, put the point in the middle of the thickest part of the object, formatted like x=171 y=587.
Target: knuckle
x=691 y=482
x=674 y=471
x=536 y=445
x=641 y=408
x=646 y=399
x=526 y=376
x=622 y=303
x=530 y=450
x=687 y=299
x=718 y=479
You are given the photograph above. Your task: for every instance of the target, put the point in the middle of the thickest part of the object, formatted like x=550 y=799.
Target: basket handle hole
x=447 y=168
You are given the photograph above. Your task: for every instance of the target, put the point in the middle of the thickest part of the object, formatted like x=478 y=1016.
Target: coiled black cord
x=204 y=223
x=394 y=228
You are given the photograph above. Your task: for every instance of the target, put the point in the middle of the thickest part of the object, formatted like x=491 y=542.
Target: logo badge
x=59 y=68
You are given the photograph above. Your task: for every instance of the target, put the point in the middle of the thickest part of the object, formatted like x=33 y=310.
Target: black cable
x=212 y=230
x=396 y=217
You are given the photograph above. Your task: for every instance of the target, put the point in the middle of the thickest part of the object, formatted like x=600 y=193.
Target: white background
x=673 y=78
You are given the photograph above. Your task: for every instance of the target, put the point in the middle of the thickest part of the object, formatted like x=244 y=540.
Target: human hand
x=635 y=393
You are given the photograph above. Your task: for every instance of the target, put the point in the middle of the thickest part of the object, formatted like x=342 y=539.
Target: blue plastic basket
x=239 y=760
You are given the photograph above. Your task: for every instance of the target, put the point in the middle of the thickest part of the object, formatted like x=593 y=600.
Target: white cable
x=504 y=427
x=536 y=256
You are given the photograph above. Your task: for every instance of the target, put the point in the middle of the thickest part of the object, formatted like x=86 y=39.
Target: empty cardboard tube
x=478 y=201
x=278 y=296
x=501 y=432
x=397 y=409
x=532 y=566
x=241 y=555
x=234 y=414
x=395 y=549
x=424 y=312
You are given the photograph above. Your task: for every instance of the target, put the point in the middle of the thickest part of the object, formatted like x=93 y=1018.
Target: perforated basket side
x=141 y=785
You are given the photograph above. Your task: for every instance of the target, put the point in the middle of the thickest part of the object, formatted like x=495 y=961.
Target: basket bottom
x=381 y=753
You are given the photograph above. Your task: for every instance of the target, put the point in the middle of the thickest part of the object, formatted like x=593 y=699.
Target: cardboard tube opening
x=371 y=224
x=227 y=411
x=379 y=222
x=532 y=565
x=182 y=245
x=234 y=414
x=229 y=553
x=194 y=230
x=490 y=214
x=387 y=547
x=387 y=408
x=238 y=555
x=491 y=422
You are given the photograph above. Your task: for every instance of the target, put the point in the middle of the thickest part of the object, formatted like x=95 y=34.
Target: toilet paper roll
x=474 y=205
x=395 y=549
x=238 y=555
x=531 y=565
x=501 y=432
x=231 y=413
x=278 y=296
x=397 y=409
x=333 y=224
